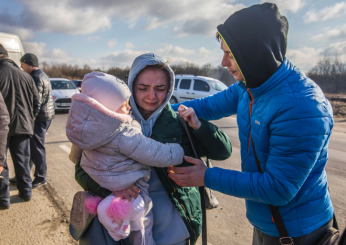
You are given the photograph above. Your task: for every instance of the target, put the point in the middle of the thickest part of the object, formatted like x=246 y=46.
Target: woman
x=177 y=211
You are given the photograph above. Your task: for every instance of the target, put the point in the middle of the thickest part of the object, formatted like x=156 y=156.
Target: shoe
x=13 y=180
x=3 y=207
x=36 y=184
x=24 y=198
x=84 y=206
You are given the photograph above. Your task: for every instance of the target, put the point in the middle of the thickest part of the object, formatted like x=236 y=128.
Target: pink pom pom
x=119 y=208
x=91 y=204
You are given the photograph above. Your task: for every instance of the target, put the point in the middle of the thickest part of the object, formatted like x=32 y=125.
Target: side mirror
x=206 y=88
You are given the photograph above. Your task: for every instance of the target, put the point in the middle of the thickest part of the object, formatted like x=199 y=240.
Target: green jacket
x=209 y=141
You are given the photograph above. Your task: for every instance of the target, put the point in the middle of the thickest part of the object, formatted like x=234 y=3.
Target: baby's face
x=124 y=108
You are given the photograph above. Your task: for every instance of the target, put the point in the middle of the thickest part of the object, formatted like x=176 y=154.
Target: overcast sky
x=108 y=33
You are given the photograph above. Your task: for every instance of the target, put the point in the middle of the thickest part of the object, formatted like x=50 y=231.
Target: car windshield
x=217 y=85
x=62 y=84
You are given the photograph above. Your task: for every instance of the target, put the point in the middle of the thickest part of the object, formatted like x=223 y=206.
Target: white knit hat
x=107 y=89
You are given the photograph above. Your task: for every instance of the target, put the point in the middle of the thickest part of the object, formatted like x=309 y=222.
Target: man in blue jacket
x=281 y=114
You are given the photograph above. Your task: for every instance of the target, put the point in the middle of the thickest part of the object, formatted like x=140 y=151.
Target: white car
x=189 y=87
x=62 y=90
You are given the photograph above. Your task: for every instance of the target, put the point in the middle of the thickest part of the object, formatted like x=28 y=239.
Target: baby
x=116 y=155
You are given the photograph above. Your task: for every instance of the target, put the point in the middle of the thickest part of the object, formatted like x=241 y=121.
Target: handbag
x=211 y=201
x=330 y=237
x=208 y=198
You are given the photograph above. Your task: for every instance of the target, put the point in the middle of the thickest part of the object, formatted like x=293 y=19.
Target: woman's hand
x=189 y=116
x=132 y=191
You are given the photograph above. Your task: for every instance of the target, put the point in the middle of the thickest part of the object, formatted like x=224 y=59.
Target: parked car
x=189 y=87
x=62 y=90
x=78 y=84
x=13 y=45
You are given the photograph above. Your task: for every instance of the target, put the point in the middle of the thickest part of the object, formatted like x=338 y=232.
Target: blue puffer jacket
x=291 y=123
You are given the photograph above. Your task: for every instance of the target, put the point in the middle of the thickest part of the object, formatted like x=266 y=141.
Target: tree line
x=329 y=73
x=64 y=70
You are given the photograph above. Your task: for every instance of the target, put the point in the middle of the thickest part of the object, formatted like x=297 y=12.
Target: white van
x=13 y=45
x=189 y=87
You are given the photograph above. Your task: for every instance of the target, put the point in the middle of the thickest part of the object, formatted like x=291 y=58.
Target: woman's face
x=150 y=90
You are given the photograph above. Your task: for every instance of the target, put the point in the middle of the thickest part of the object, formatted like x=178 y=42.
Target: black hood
x=257 y=38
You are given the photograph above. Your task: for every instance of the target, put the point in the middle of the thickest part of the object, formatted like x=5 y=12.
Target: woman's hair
x=157 y=67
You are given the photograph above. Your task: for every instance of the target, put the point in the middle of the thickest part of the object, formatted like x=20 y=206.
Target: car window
x=185 y=84
x=176 y=83
x=217 y=85
x=62 y=85
x=200 y=85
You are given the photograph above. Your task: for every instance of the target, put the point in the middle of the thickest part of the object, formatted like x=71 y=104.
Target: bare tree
x=330 y=74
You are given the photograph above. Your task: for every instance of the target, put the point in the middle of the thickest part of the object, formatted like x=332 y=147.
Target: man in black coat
x=21 y=98
x=4 y=121
x=29 y=64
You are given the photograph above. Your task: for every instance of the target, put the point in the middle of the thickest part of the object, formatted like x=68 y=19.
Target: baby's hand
x=132 y=191
x=189 y=116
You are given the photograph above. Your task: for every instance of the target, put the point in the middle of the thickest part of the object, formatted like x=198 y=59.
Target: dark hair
x=218 y=37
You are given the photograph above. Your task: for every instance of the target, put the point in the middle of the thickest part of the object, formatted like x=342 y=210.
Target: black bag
x=208 y=198
x=331 y=237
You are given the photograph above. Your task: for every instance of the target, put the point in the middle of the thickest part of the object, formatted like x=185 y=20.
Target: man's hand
x=1 y=168
x=189 y=176
x=132 y=191
x=189 y=116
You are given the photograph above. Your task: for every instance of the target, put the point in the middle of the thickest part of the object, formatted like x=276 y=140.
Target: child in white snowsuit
x=116 y=155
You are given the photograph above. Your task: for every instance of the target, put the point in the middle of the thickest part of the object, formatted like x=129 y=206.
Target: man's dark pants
x=19 y=147
x=38 y=151
x=259 y=238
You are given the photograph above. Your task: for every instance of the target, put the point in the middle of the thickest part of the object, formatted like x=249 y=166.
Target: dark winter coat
x=4 y=121
x=44 y=89
x=21 y=98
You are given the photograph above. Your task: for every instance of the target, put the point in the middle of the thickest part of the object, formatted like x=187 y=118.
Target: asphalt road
x=226 y=224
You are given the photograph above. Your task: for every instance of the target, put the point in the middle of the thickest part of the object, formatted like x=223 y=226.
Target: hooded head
x=108 y=90
x=3 y=50
x=139 y=64
x=257 y=39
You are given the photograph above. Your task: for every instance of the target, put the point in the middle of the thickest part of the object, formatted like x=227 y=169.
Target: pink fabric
x=119 y=209
x=91 y=204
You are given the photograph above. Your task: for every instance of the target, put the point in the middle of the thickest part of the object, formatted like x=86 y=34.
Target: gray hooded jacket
x=166 y=217
x=115 y=152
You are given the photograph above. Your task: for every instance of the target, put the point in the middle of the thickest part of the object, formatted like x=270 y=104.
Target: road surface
x=44 y=220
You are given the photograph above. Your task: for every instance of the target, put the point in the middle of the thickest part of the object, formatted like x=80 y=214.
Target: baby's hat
x=107 y=89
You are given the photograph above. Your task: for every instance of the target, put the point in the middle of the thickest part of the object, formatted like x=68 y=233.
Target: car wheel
x=173 y=100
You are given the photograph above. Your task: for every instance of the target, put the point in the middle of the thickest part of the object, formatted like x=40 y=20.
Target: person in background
x=281 y=114
x=4 y=121
x=22 y=101
x=29 y=64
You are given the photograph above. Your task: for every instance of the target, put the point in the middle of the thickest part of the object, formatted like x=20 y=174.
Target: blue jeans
x=259 y=238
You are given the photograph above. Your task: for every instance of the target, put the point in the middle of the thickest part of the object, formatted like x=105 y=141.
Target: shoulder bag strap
x=279 y=223
x=187 y=129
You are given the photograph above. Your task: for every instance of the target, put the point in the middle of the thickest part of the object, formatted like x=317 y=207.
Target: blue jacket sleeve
x=297 y=137
x=217 y=106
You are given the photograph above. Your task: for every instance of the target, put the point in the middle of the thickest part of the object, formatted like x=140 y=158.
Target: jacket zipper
x=250 y=112
x=169 y=181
